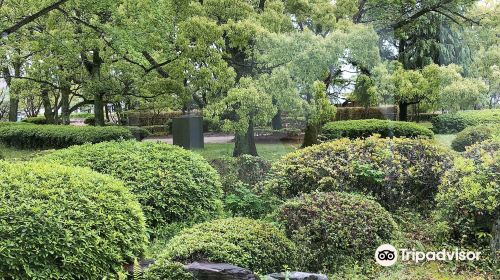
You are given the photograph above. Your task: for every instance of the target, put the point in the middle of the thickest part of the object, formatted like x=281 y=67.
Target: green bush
x=173 y=185
x=474 y=134
x=469 y=197
x=335 y=229
x=58 y=136
x=365 y=128
x=241 y=179
x=139 y=133
x=60 y=222
x=454 y=123
x=35 y=120
x=90 y=120
x=167 y=270
x=397 y=172
x=158 y=130
x=243 y=242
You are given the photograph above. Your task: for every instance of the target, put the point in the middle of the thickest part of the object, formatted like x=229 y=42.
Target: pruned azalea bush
x=58 y=136
x=243 y=242
x=173 y=185
x=60 y=222
x=397 y=172
x=335 y=229
x=365 y=128
x=473 y=135
x=453 y=123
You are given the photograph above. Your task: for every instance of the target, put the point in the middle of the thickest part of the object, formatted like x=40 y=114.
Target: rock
x=296 y=276
x=219 y=271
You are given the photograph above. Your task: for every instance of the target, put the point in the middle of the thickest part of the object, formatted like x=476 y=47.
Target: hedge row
x=365 y=128
x=60 y=222
x=57 y=136
x=174 y=186
x=35 y=120
x=475 y=134
x=453 y=123
x=397 y=172
x=358 y=113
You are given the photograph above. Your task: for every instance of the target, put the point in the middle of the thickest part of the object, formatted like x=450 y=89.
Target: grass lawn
x=270 y=152
x=9 y=153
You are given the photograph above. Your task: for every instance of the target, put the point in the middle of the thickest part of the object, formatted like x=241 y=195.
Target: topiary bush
x=90 y=120
x=469 y=197
x=454 y=123
x=473 y=135
x=139 y=133
x=243 y=242
x=365 y=128
x=335 y=229
x=60 y=222
x=173 y=185
x=58 y=136
x=35 y=120
x=167 y=270
x=397 y=172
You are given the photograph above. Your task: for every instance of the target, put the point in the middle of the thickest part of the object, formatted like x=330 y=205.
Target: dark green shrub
x=35 y=120
x=474 y=134
x=335 y=229
x=453 y=123
x=60 y=222
x=90 y=120
x=242 y=178
x=58 y=136
x=243 y=242
x=365 y=128
x=469 y=198
x=167 y=270
x=397 y=172
x=173 y=185
x=139 y=133
x=158 y=130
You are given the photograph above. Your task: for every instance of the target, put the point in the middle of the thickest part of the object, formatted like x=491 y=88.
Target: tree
x=318 y=112
x=365 y=92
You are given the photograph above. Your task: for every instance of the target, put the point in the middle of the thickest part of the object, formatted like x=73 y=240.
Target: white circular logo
x=386 y=255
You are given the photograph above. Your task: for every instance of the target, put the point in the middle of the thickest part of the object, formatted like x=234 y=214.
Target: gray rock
x=219 y=271
x=296 y=276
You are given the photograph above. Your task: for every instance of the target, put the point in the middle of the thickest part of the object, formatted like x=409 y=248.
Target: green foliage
x=365 y=128
x=173 y=185
x=335 y=229
x=453 y=123
x=36 y=120
x=243 y=242
x=474 y=134
x=139 y=133
x=469 y=196
x=397 y=172
x=62 y=222
x=167 y=270
x=90 y=120
x=58 y=136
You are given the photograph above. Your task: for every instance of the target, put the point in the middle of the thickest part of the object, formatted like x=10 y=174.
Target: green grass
x=9 y=153
x=270 y=152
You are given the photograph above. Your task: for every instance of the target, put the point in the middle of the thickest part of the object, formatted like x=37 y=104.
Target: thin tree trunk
x=13 y=99
x=99 y=109
x=277 y=121
x=403 y=111
x=65 y=112
x=48 y=113
x=245 y=144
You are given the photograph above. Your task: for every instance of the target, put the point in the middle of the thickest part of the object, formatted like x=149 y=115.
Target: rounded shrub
x=31 y=136
x=365 y=128
x=59 y=222
x=173 y=185
x=35 y=120
x=453 y=123
x=474 y=134
x=397 y=172
x=335 y=229
x=469 y=196
x=139 y=133
x=243 y=242
x=167 y=270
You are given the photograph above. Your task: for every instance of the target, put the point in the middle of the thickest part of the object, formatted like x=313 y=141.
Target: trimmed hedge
x=247 y=243
x=366 y=128
x=469 y=197
x=35 y=120
x=397 y=172
x=454 y=123
x=335 y=229
x=139 y=133
x=167 y=270
x=359 y=113
x=58 y=136
x=473 y=135
x=60 y=222
x=173 y=185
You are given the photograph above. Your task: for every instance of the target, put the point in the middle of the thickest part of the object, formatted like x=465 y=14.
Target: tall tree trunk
x=13 y=99
x=48 y=113
x=245 y=144
x=65 y=111
x=99 y=109
x=277 y=121
x=403 y=111
x=311 y=135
